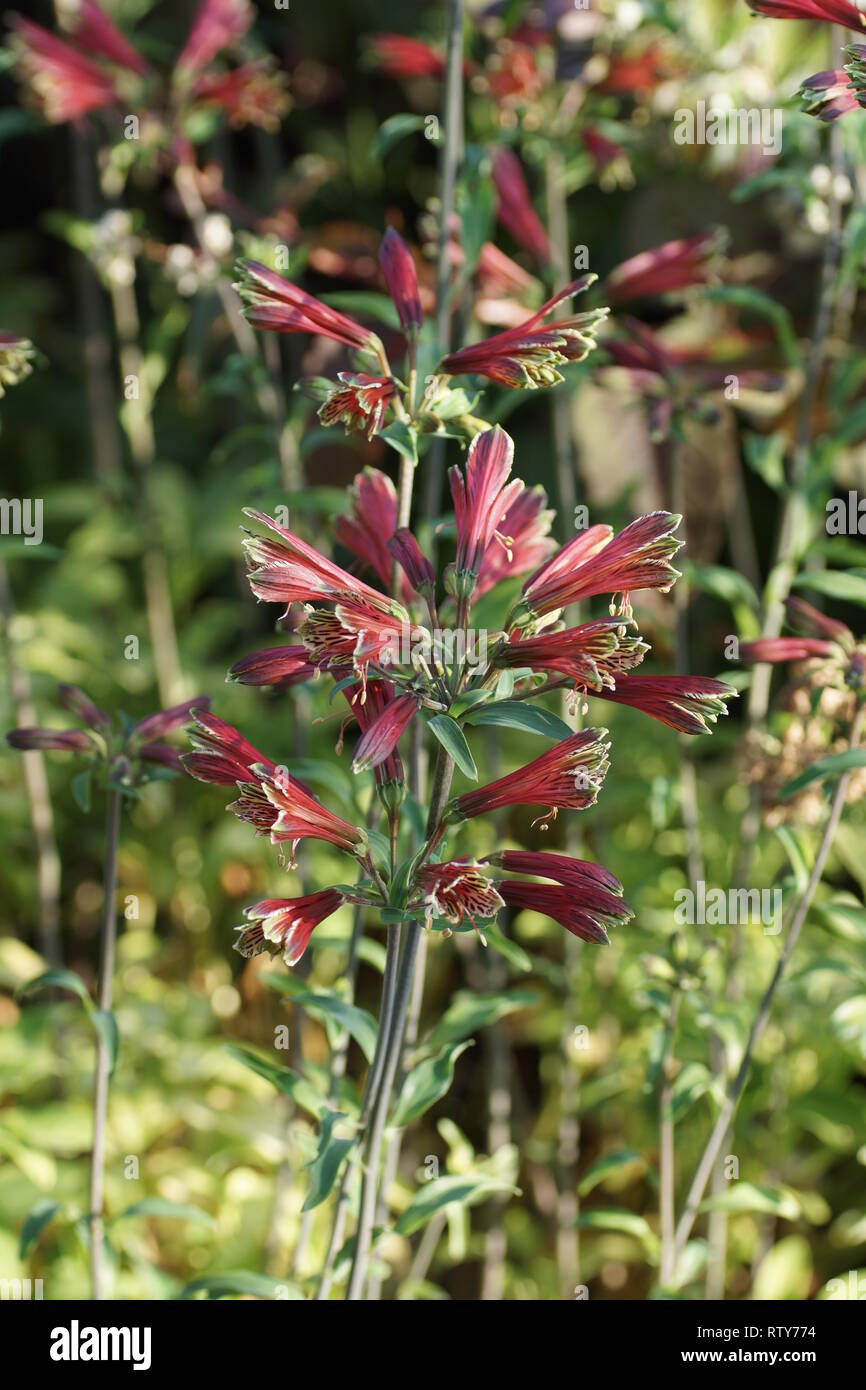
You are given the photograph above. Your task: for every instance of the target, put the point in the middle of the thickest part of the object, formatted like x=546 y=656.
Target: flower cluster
x=379 y=639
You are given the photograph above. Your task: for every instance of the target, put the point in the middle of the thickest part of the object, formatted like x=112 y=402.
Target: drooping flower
x=569 y=776
x=829 y=95
x=95 y=32
x=398 y=55
x=283 y=666
x=482 y=496
x=777 y=649
x=529 y=354
x=514 y=207
x=598 y=562
x=359 y=402
x=586 y=901
x=812 y=621
x=299 y=816
x=221 y=754
x=457 y=891
x=384 y=722
x=274 y=303
x=676 y=265
x=850 y=13
x=401 y=277
x=370 y=525
x=65 y=740
x=283 y=926
x=156 y=725
x=217 y=24
x=64 y=83
x=253 y=94
x=84 y=709
x=290 y=571
x=592 y=655
x=688 y=704
x=527 y=524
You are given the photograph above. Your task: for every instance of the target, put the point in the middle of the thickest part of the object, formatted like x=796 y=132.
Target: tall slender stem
x=100 y=1091
x=759 y=1023
x=667 y=1160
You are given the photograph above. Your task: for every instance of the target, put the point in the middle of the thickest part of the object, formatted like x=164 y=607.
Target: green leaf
x=460 y=1190
x=326 y=1164
x=833 y=766
x=81 y=784
x=298 y=1088
x=58 y=979
x=105 y=1025
x=34 y=1224
x=161 y=1207
x=618 y=1219
x=514 y=954
x=747 y=1197
x=468 y=1012
x=402 y=438
x=358 y=1023
x=850 y=588
x=241 y=1281
x=723 y=583
x=394 y=129
x=756 y=302
x=366 y=302
x=453 y=740
x=604 y=1167
x=427 y=1083
x=517 y=714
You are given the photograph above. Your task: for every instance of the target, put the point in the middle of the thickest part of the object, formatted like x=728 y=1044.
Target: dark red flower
x=66 y=740
x=776 y=649
x=676 y=265
x=398 y=55
x=65 y=84
x=253 y=94
x=586 y=901
x=688 y=704
x=482 y=496
x=369 y=528
x=384 y=722
x=415 y=565
x=568 y=775
x=284 y=926
x=359 y=402
x=514 y=207
x=221 y=754
x=457 y=890
x=592 y=655
x=846 y=12
x=401 y=277
x=96 y=33
x=527 y=524
x=217 y=24
x=598 y=562
x=155 y=725
x=282 y=666
x=829 y=95
x=528 y=355
x=274 y=303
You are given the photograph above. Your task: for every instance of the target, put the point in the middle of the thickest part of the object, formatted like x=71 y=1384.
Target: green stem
x=100 y=1091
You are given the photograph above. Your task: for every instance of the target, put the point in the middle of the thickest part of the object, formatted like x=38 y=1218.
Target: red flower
x=282 y=666
x=290 y=571
x=814 y=622
x=635 y=73
x=567 y=775
x=597 y=562
x=482 y=496
x=273 y=303
x=81 y=705
x=846 y=12
x=456 y=891
x=581 y=916
x=586 y=901
x=397 y=55
x=829 y=95
x=371 y=525
x=221 y=754
x=299 y=816
x=155 y=725
x=217 y=24
x=776 y=649
x=515 y=210
x=602 y=151
x=253 y=94
x=415 y=565
x=65 y=83
x=384 y=723
x=528 y=356
x=594 y=654
x=359 y=403
x=284 y=926
x=527 y=525
x=688 y=704
x=66 y=740
x=674 y=266
x=358 y=635
x=401 y=277
x=96 y=33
